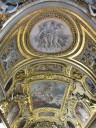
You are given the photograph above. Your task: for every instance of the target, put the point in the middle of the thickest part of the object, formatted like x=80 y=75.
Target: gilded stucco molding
x=47 y=70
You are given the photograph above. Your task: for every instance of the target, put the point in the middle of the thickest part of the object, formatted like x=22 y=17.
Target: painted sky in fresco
x=47 y=93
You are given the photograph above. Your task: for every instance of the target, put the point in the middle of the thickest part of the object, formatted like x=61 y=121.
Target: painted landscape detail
x=51 y=36
x=47 y=93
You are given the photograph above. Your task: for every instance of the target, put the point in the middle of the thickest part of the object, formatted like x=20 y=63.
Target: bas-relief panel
x=49 y=67
x=51 y=36
x=47 y=94
x=82 y=112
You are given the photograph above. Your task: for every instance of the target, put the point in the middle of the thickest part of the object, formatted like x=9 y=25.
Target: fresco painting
x=47 y=94
x=82 y=112
x=50 y=36
x=91 y=85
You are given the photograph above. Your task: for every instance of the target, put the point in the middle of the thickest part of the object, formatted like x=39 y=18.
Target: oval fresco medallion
x=51 y=35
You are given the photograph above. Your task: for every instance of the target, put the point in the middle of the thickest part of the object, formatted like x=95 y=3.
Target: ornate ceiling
x=48 y=64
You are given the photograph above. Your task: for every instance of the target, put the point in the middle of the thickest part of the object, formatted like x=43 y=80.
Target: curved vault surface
x=48 y=67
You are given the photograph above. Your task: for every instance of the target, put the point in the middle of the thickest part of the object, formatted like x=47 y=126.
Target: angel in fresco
x=51 y=35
